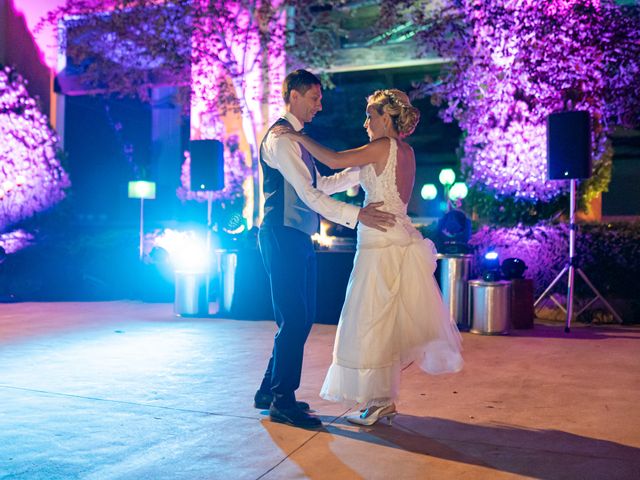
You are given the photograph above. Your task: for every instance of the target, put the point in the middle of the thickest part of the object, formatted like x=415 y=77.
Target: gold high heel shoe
x=372 y=414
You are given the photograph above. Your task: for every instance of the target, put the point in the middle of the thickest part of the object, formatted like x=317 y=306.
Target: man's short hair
x=299 y=80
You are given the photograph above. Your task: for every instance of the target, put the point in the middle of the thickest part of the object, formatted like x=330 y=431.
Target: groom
x=295 y=193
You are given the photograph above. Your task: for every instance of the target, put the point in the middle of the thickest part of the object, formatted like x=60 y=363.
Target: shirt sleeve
x=285 y=155
x=339 y=182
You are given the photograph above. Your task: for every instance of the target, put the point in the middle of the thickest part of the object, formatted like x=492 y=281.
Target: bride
x=393 y=312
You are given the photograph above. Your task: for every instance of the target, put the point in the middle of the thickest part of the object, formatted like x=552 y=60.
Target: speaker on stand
x=569 y=158
x=207 y=170
x=568 y=146
x=207 y=165
x=207 y=174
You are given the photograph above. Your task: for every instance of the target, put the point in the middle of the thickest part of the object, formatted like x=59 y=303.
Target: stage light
x=160 y=259
x=490 y=267
x=454 y=231
x=353 y=191
x=159 y=256
x=187 y=250
x=513 y=268
x=458 y=191
x=429 y=191
x=235 y=231
x=447 y=177
x=190 y=258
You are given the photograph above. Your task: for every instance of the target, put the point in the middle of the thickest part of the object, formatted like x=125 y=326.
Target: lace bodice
x=382 y=188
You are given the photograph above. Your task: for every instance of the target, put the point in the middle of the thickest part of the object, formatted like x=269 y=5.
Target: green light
x=142 y=189
x=429 y=191
x=353 y=191
x=458 y=191
x=447 y=176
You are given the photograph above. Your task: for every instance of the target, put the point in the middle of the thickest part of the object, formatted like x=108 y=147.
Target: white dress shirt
x=285 y=155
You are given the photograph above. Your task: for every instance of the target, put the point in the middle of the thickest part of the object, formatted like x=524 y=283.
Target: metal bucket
x=490 y=307
x=225 y=272
x=454 y=274
x=191 y=294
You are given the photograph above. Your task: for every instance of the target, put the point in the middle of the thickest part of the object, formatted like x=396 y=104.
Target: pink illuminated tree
x=228 y=57
x=31 y=177
x=126 y=46
x=510 y=64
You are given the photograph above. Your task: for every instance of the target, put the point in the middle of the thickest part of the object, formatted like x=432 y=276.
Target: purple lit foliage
x=15 y=240
x=513 y=62
x=609 y=254
x=544 y=248
x=31 y=177
x=126 y=46
x=235 y=172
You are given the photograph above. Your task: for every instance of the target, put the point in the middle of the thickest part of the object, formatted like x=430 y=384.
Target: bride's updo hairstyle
x=396 y=103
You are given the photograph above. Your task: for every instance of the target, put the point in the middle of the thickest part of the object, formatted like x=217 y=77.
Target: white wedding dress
x=393 y=312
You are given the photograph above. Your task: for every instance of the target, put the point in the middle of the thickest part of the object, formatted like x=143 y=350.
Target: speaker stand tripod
x=571 y=268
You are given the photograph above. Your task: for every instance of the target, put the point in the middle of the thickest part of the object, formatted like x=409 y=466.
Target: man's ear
x=294 y=95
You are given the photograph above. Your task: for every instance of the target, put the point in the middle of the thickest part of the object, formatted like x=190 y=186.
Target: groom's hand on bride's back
x=373 y=217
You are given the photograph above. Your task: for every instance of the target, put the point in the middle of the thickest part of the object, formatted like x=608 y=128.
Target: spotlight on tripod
x=569 y=158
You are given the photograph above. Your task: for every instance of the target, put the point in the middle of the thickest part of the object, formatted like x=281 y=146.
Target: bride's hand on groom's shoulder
x=283 y=131
x=373 y=217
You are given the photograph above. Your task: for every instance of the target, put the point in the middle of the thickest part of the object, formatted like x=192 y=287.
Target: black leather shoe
x=294 y=416
x=263 y=402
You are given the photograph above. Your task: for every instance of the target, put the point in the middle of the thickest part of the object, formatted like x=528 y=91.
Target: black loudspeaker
x=568 y=145
x=207 y=165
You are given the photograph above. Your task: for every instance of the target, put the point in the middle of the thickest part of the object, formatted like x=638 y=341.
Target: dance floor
x=126 y=390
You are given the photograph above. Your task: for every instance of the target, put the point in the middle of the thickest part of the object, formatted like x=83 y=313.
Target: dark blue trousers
x=290 y=261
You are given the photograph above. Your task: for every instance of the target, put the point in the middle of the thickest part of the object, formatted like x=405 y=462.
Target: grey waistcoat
x=282 y=205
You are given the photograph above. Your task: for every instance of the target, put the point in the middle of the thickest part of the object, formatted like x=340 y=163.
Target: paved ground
x=125 y=390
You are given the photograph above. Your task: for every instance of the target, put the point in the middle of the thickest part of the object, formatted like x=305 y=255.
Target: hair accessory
x=393 y=98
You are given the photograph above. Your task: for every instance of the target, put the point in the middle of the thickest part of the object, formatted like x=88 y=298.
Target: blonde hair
x=396 y=103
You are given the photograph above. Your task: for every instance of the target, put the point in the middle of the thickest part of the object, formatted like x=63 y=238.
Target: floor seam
x=315 y=434
x=125 y=402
